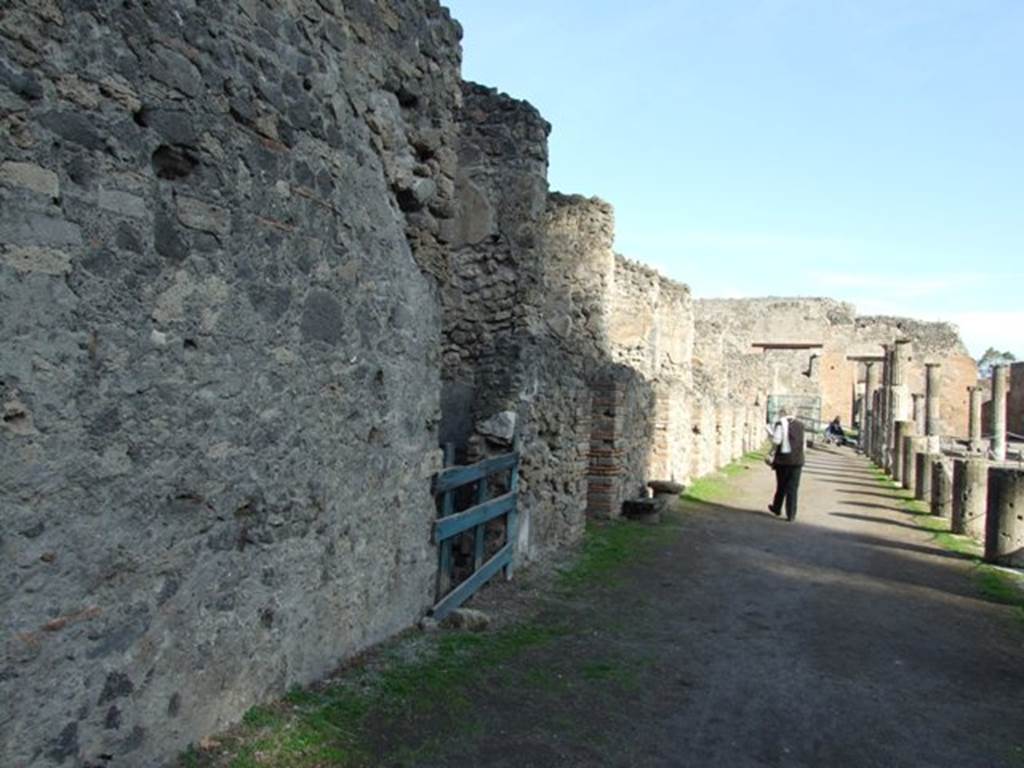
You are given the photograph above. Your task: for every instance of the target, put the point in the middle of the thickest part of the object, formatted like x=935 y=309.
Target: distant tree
x=992 y=357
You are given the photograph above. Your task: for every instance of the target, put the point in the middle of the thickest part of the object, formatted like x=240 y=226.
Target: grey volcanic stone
x=501 y=427
x=322 y=318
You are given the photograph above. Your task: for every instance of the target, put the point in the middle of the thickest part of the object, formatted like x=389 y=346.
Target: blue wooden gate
x=451 y=524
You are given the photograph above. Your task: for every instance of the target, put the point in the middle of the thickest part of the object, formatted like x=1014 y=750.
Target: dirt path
x=845 y=639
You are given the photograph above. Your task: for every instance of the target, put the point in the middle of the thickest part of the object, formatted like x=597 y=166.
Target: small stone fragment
x=116 y=88
x=206 y=217
x=50 y=261
x=123 y=203
x=30 y=176
x=468 y=619
x=501 y=426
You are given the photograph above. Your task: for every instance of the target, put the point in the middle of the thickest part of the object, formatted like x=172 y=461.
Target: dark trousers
x=787 y=484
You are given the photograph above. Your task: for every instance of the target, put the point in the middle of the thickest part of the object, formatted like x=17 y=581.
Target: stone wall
x=651 y=332
x=520 y=350
x=502 y=194
x=568 y=314
x=731 y=379
x=727 y=329
x=219 y=355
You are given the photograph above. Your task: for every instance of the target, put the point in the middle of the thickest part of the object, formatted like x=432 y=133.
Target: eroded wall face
x=567 y=329
x=651 y=332
x=219 y=357
x=519 y=344
x=502 y=195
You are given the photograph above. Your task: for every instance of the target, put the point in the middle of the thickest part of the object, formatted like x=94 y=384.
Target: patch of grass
x=962 y=545
x=919 y=509
x=939 y=528
x=1002 y=587
x=995 y=585
x=339 y=724
x=998 y=586
x=545 y=680
x=707 y=488
x=607 y=546
x=615 y=672
x=260 y=717
x=331 y=724
x=714 y=486
x=1017 y=755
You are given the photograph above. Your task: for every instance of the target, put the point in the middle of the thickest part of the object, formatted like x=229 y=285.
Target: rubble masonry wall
x=222 y=228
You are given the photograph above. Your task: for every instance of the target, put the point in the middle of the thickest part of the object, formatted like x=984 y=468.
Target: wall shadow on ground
x=889 y=560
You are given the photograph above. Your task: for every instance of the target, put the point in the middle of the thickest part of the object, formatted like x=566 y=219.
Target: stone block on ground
x=666 y=487
x=468 y=619
x=646 y=511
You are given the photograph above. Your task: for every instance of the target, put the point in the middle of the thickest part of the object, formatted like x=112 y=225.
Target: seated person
x=834 y=432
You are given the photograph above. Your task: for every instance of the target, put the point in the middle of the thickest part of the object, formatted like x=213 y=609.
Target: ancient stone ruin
x=258 y=261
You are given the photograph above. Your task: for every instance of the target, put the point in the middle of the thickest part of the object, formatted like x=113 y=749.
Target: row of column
x=981 y=497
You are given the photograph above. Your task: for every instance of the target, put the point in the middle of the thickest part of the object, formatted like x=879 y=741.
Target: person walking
x=787 y=435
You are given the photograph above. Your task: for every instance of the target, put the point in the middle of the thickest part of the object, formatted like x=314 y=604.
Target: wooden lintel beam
x=787 y=345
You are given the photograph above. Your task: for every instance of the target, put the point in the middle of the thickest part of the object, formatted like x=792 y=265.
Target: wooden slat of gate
x=450 y=525
x=444 y=566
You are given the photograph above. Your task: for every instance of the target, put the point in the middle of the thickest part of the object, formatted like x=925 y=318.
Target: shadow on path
x=744 y=641
x=873 y=518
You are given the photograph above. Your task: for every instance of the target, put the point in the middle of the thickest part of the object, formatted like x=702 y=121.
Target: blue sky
x=868 y=150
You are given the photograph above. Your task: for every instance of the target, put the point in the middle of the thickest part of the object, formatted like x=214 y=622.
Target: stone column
x=867 y=428
x=970 y=483
x=878 y=429
x=884 y=412
x=923 y=476
x=933 y=426
x=912 y=445
x=854 y=391
x=901 y=393
x=999 y=389
x=919 y=424
x=904 y=429
x=899 y=397
x=1004 y=521
x=975 y=418
x=942 y=486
